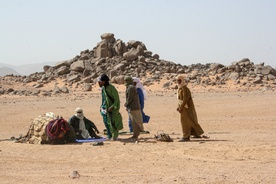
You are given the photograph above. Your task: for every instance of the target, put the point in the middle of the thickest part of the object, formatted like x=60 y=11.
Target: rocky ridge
x=117 y=59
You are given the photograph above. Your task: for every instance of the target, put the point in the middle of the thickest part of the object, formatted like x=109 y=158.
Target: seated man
x=83 y=127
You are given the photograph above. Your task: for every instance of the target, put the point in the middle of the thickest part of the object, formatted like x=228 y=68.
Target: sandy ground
x=241 y=148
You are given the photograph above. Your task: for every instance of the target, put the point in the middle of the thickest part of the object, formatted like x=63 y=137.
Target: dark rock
x=64 y=89
x=73 y=78
x=265 y=70
x=46 y=67
x=167 y=84
x=77 y=66
x=233 y=76
x=103 y=50
x=271 y=77
x=155 y=56
x=133 y=53
x=39 y=85
x=63 y=70
x=62 y=63
x=257 y=80
x=109 y=37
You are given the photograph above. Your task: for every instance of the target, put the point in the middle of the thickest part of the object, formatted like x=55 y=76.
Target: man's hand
x=97 y=131
x=110 y=109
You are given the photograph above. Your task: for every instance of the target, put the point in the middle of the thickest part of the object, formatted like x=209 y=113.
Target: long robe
x=188 y=115
x=114 y=118
x=134 y=111
x=104 y=112
x=145 y=117
x=74 y=121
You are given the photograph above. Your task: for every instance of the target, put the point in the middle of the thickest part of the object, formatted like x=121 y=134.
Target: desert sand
x=241 y=147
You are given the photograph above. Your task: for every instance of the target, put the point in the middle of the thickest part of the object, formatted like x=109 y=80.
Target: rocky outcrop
x=117 y=59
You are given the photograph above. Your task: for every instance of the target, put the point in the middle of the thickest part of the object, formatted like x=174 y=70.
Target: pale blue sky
x=182 y=31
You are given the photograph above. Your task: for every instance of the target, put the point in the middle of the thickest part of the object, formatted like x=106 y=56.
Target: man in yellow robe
x=187 y=111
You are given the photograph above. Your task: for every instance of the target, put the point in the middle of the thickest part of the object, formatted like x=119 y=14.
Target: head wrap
x=79 y=112
x=139 y=85
x=128 y=80
x=182 y=78
x=104 y=78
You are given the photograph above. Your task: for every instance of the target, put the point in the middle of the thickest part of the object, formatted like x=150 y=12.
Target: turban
x=128 y=80
x=104 y=77
x=79 y=112
x=181 y=77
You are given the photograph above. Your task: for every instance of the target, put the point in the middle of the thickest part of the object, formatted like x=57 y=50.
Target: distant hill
x=26 y=69
x=7 y=71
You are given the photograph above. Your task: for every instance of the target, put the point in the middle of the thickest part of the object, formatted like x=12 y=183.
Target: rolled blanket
x=57 y=128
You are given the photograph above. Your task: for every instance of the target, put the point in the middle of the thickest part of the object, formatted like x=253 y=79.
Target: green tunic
x=114 y=118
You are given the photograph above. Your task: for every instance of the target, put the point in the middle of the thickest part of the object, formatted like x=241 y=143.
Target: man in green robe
x=187 y=111
x=103 y=110
x=112 y=100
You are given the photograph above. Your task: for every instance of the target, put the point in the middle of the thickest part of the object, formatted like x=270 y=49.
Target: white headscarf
x=183 y=83
x=84 y=131
x=99 y=80
x=139 y=85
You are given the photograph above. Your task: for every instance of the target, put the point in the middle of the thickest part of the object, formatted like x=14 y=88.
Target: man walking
x=133 y=108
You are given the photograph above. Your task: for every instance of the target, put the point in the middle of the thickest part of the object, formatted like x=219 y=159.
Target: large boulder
x=73 y=78
x=109 y=37
x=62 y=63
x=133 y=53
x=77 y=66
x=233 y=76
x=265 y=70
x=215 y=66
x=119 y=47
x=103 y=50
x=63 y=70
x=120 y=66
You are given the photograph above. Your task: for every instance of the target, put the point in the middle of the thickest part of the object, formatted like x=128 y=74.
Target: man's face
x=100 y=83
x=134 y=83
x=178 y=81
x=127 y=82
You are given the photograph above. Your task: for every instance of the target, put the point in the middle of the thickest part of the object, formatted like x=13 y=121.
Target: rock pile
x=117 y=59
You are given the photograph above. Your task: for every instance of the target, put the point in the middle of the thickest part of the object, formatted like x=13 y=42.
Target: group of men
x=135 y=95
x=110 y=111
x=134 y=104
